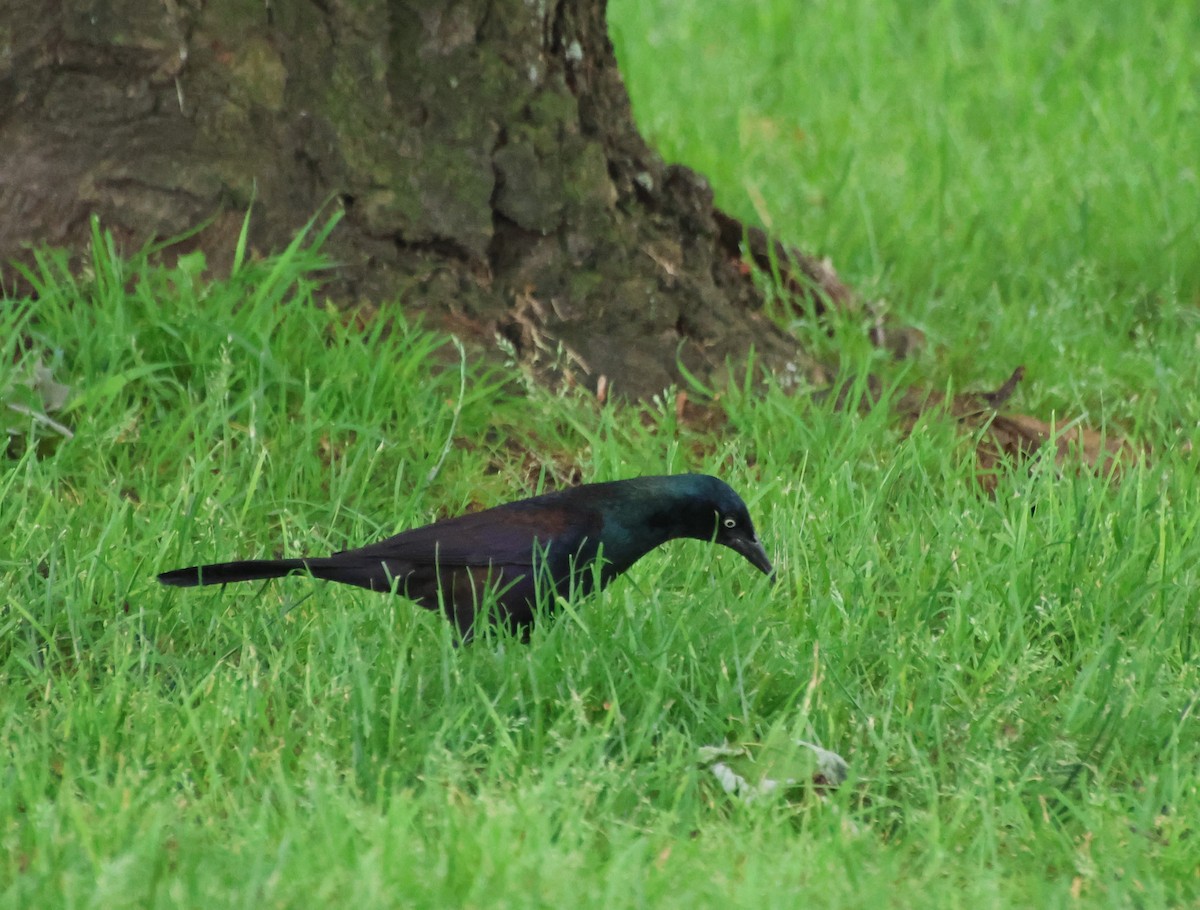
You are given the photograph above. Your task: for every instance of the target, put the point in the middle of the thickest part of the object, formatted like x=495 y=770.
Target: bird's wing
x=504 y=535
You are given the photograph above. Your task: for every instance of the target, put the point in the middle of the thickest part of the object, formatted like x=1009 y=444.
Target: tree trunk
x=483 y=151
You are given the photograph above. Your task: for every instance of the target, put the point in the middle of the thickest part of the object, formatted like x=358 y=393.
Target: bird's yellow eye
x=731 y=522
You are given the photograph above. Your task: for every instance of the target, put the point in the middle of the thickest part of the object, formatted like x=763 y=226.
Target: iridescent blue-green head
x=727 y=513
x=644 y=512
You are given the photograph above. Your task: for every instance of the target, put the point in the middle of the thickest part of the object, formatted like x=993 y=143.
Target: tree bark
x=483 y=151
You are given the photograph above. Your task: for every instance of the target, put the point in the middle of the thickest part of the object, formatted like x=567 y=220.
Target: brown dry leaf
x=1018 y=437
x=1021 y=434
x=660 y=861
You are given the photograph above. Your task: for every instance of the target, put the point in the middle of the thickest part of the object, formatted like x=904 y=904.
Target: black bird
x=543 y=545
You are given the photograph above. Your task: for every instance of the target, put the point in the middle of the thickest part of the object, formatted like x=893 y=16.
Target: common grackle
x=547 y=544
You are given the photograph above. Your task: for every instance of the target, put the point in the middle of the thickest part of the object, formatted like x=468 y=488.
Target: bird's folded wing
x=504 y=535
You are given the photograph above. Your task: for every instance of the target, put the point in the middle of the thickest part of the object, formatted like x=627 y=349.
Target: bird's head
x=734 y=528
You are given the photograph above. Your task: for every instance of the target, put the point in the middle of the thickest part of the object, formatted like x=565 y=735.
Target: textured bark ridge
x=484 y=153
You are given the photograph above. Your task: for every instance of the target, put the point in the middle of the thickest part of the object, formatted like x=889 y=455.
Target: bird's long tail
x=243 y=570
x=365 y=572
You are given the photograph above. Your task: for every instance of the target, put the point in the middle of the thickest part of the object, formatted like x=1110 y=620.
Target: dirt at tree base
x=484 y=154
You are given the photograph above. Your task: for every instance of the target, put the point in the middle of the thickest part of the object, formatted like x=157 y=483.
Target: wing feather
x=504 y=535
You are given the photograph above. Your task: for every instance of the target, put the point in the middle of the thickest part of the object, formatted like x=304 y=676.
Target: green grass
x=1013 y=680
x=1019 y=180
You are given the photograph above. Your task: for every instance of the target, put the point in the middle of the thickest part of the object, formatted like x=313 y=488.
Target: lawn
x=1013 y=680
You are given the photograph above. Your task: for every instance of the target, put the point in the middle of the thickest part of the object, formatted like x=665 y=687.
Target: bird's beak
x=754 y=552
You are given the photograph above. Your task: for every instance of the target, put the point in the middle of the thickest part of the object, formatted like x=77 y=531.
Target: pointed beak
x=754 y=552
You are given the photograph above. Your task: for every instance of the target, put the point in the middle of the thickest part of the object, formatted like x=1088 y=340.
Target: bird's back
x=514 y=553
